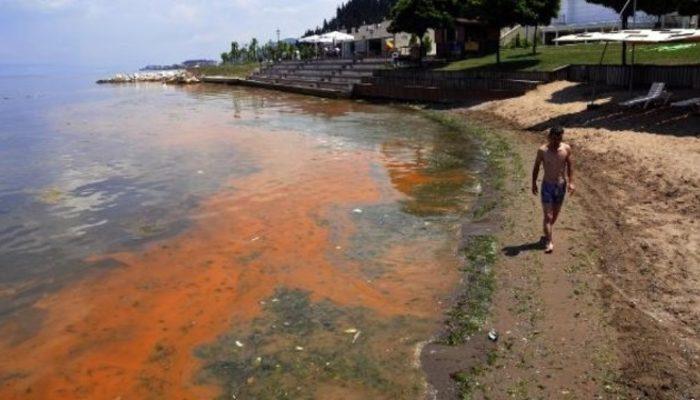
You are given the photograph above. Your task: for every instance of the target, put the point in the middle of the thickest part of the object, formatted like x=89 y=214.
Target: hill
x=355 y=13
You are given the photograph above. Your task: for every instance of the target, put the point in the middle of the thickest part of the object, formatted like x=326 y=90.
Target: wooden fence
x=679 y=77
x=418 y=75
x=450 y=86
x=682 y=76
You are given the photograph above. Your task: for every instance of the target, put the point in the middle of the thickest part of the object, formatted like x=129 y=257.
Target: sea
x=211 y=241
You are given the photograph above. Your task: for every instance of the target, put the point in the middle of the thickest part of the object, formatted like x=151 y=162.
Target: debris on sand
x=493 y=335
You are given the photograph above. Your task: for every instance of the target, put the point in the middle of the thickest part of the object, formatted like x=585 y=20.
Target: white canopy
x=637 y=36
x=309 y=39
x=315 y=39
x=336 y=36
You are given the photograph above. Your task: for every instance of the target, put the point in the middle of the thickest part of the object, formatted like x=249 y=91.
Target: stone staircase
x=336 y=78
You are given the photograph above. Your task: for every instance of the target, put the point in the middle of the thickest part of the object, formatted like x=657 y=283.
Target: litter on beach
x=239 y=344
x=357 y=211
x=493 y=335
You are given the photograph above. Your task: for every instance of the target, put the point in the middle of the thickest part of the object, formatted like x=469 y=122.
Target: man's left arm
x=570 y=171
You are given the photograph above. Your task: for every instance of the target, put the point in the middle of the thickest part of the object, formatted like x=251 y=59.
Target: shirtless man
x=558 y=166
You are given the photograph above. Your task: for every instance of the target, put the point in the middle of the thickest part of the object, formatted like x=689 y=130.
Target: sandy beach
x=614 y=312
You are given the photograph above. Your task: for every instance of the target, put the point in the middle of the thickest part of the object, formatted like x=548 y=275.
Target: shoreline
x=591 y=321
x=449 y=358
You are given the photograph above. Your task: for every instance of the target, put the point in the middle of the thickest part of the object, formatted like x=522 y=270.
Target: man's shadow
x=512 y=251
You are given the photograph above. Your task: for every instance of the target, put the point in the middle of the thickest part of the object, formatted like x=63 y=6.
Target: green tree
x=658 y=8
x=427 y=43
x=235 y=53
x=253 y=50
x=417 y=16
x=225 y=58
x=539 y=12
x=689 y=7
x=499 y=14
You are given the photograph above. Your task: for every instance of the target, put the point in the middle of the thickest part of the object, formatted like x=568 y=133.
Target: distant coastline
x=183 y=65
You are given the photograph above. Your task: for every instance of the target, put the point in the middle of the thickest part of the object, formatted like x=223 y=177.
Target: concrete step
x=356 y=73
x=281 y=68
x=324 y=67
x=307 y=83
x=332 y=93
x=316 y=72
x=349 y=80
x=366 y=67
x=334 y=61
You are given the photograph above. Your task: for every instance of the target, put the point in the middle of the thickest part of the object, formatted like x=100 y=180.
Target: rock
x=172 y=77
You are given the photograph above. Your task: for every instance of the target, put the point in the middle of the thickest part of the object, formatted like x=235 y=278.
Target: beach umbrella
x=336 y=36
x=309 y=39
x=637 y=36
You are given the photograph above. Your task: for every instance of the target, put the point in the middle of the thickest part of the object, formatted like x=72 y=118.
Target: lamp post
x=634 y=46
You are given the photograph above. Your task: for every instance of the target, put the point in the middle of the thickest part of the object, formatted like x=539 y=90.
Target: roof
x=637 y=36
x=466 y=21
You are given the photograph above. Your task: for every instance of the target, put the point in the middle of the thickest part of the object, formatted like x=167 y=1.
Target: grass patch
x=240 y=70
x=471 y=310
x=550 y=58
x=467 y=382
x=472 y=307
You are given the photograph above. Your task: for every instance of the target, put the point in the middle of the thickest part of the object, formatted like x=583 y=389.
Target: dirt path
x=614 y=313
x=554 y=341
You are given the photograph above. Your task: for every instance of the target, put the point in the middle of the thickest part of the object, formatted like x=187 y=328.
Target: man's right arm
x=536 y=171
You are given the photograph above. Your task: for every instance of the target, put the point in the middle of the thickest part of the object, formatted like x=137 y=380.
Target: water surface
x=203 y=241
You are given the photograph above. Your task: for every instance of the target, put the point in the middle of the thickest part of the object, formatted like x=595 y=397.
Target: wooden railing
x=681 y=76
x=676 y=76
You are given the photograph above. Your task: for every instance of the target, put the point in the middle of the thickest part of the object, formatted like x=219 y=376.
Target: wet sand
x=613 y=313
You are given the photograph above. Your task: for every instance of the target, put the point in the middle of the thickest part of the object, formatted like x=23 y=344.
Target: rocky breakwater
x=173 y=77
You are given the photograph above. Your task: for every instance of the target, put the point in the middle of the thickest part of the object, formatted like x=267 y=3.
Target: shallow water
x=204 y=241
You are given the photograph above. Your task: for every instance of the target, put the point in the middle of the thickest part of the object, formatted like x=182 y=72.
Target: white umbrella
x=336 y=36
x=637 y=36
x=309 y=39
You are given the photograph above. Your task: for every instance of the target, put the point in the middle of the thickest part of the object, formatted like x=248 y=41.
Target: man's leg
x=554 y=214
x=556 y=209
x=548 y=220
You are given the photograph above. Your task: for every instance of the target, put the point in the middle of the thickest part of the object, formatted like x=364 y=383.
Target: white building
x=582 y=16
x=373 y=41
x=581 y=12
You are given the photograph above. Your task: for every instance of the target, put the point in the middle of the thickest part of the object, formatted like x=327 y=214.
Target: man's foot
x=543 y=241
x=549 y=248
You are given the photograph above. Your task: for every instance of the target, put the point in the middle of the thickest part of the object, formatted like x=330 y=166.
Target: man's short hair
x=556 y=131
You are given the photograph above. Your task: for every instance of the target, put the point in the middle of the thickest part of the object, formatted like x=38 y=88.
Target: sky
x=141 y=32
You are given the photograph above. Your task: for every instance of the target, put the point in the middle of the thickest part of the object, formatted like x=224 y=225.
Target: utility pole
x=634 y=46
x=624 y=16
